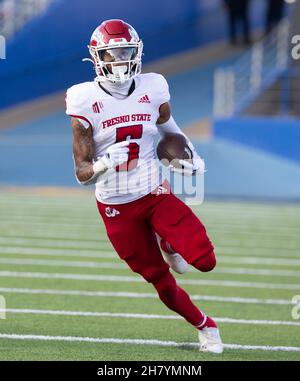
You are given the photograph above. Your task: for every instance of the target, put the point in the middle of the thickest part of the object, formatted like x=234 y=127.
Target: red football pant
x=131 y=232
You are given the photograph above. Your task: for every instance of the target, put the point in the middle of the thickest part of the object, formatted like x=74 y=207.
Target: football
x=172 y=148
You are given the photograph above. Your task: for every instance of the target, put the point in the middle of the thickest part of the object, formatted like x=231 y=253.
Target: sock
x=177 y=300
x=207 y=322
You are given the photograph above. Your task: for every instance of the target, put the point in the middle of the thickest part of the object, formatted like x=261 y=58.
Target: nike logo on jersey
x=111 y=212
x=97 y=107
x=145 y=99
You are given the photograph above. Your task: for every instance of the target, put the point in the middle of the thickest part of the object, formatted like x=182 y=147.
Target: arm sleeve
x=170 y=127
x=76 y=106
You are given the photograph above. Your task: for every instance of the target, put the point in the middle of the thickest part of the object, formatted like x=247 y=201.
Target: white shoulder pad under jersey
x=159 y=86
x=78 y=102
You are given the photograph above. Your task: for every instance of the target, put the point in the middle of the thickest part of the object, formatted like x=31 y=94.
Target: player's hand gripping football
x=189 y=169
x=115 y=155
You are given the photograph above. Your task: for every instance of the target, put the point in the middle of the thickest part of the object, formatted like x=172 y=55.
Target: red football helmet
x=116 y=50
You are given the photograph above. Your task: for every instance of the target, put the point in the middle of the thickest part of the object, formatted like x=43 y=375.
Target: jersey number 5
x=134 y=132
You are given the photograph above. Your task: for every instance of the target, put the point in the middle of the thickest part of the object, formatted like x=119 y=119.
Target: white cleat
x=210 y=340
x=176 y=262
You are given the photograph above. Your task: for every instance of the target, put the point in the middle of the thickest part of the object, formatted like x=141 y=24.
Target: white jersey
x=113 y=120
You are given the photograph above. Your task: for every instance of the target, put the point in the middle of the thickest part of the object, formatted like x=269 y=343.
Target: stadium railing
x=15 y=13
x=266 y=67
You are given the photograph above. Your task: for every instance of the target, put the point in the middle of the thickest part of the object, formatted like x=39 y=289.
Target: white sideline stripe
x=122 y=266
x=86 y=198
x=259 y=272
x=46 y=238
x=140 y=342
x=121 y=278
x=69 y=244
x=246 y=216
x=75 y=220
x=266 y=225
x=222 y=244
x=61 y=207
x=234 y=209
x=96 y=246
x=256 y=250
x=51 y=262
x=141 y=316
x=59 y=252
x=266 y=222
x=259 y=261
x=135 y=295
x=107 y=253
x=41 y=236
x=95 y=228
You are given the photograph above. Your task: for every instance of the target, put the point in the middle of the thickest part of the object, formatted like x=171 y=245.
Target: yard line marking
x=85 y=211
x=10 y=232
x=257 y=232
x=59 y=252
x=51 y=262
x=258 y=251
x=240 y=209
x=13 y=336
x=92 y=218
x=268 y=244
x=258 y=272
x=121 y=278
x=94 y=226
x=75 y=244
x=67 y=226
x=259 y=261
x=106 y=252
x=223 y=244
x=94 y=222
x=207 y=207
x=68 y=243
x=86 y=220
x=135 y=295
x=141 y=316
x=122 y=266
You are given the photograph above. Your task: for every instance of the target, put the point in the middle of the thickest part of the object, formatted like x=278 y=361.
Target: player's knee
x=206 y=263
x=203 y=256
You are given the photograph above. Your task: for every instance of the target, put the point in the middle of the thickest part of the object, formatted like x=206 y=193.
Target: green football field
x=69 y=297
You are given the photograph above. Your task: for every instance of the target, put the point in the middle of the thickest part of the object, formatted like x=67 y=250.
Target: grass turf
x=67 y=228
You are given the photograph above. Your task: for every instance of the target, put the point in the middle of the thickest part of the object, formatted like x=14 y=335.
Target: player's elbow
x=78 y=175
x=82 y=180
x=79 y=178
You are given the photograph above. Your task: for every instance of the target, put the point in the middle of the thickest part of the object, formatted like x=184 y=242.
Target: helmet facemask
x=117 y=63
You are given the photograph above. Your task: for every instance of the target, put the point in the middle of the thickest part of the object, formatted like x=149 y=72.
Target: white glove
x=115 y=155
x=189 y=169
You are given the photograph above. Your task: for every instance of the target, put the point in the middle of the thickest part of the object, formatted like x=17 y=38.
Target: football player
x=115 y=121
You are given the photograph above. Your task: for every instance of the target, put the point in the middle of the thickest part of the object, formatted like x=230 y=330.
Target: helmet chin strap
x=119 y=72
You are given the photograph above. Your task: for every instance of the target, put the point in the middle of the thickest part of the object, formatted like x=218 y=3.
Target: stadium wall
x=278 y=135
x=45 y=56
